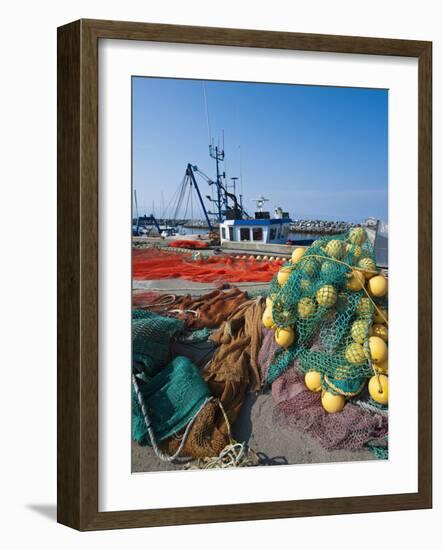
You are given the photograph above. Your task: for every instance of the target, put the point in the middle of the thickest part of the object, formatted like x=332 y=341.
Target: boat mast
x=218 y=155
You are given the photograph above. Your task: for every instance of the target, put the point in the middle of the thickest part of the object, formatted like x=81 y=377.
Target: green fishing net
x=171 y=398
x=329 y=312
x=151 y=336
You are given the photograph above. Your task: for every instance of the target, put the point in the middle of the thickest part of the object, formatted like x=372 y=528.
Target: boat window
x=244 y=234
x=223 y=231
x=231 y=233
x=273 y=233
x=257 y=234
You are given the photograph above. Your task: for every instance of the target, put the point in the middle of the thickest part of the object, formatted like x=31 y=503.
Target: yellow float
x=364 y=307
x=283 y=275
x=355 y=353
x=335 y=249
x=381 y=331
x=313 y=381
x=297 y=254
x=306 y=308
x=359 y=330
x=382 y=368
x=268 y=302
x=356 y=281
x=357 y=235
x=326 y=296
x=378 y=349
x=378 y=286
x=332 y=403
x=304 y=285
x=368 y=265
x=285 y=337
x=267 y=320
x=380 y=318
x=309 y=266
x=378 y=388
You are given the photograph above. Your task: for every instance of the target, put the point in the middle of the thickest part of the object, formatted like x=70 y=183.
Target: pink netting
x=300 y=409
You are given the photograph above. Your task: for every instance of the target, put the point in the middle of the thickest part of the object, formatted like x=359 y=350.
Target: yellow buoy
x=355 y=353
x=313 y=381
x=378 y=388
x=285 y=337
x=357 y=235
x=382 y=368
x=364 y=307
x=381 y=331
x=267 y=320
x=378 y=286
x=356 y=281
x=297 y=254
x=378 y=318
x=335 y=249
x=378 y=349
x=309 y=266
x=355 y=250
x=359 y=330
x=283 y=275
x=268 y=302
x=332 y=403
x=367 y=264
x=306 y=308
x=328 y=269
x=326 y=296
x=304 y=285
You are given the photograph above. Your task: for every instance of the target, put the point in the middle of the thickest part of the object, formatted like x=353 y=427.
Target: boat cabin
x=261 y=229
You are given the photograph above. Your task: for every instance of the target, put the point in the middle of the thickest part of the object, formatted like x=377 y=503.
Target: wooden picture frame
x=78 y=273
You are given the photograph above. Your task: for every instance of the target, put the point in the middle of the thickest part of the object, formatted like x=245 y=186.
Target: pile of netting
x=154 y=264
x=183 y=399
x=188 y=244
x=324 y=296
x=298 y=408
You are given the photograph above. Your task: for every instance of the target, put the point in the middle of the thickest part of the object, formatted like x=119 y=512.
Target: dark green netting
x=317 y=302
x=171 y=398
x=151 y=336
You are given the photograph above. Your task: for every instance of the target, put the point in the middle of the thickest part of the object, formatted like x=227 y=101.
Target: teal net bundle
x=325 y=306
x=172 y=398
x=151 y=336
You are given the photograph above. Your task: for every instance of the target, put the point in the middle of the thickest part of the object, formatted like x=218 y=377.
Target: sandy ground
x=276 y=444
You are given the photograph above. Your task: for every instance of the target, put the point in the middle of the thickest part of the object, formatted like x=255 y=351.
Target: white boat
x=261 y=229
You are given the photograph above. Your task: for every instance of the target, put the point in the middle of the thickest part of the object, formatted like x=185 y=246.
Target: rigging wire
x=207 y=113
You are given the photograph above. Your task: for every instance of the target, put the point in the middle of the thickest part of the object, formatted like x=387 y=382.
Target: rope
x=235 y=454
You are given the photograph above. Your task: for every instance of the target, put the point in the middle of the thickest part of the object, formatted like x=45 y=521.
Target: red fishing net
x=188 y=244
x=154 y=264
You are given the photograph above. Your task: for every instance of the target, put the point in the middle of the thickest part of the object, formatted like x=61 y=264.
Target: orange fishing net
x=153 y=264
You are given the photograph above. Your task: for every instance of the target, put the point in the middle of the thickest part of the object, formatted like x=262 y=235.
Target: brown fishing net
x=231 y=373
x=204 y=439
x=208 y=310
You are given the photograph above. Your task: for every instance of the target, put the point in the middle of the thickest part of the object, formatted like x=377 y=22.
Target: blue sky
x=319 y=152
